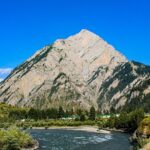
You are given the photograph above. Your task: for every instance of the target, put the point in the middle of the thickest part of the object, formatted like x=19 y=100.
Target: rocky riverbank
x=34 y=147
x=141 y=137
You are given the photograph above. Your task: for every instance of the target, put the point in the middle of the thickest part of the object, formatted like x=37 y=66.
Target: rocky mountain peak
x=85 y=34
x=73 y=72
x=84 y=37
x=90 y=47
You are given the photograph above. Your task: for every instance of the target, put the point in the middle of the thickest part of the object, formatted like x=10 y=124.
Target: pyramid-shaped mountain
x=78 y=72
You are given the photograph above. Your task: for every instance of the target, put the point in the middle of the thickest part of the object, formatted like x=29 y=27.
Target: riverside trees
x=51 y=113
x=127 y=121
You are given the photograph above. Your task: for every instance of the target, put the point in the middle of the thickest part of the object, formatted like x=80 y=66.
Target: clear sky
x=28 y=25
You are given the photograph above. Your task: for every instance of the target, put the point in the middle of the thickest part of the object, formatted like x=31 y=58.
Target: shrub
x=14 y=139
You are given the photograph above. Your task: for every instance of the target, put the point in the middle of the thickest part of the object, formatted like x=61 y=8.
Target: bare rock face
x=71 y=73
x=127 y=88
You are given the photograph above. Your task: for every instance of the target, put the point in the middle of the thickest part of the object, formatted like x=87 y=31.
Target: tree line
x=51 y=113
x=126 y=121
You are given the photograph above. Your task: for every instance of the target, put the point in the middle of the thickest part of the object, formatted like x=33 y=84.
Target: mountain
x=127 y=88
x=80 y=71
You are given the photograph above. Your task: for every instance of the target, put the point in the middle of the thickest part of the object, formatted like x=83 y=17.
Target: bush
x=144 y=127
x=14 y=139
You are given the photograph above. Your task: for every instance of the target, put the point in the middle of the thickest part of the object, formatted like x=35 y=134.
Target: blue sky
x=28 y=25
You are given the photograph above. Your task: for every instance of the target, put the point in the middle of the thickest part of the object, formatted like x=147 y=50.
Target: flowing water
x=61 y=139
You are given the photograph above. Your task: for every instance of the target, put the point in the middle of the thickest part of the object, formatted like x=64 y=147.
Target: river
x=61 y=139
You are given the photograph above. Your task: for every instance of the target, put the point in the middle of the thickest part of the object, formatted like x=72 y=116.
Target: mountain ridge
x=70 y=72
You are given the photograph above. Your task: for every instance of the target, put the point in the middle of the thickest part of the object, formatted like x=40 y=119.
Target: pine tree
x=92 y=113
x=33 y=114
x=61 y=112
x=82 y=117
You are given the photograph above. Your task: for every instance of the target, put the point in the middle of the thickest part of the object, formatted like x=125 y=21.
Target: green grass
x=50 y=123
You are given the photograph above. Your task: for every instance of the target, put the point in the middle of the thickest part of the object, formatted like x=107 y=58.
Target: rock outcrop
x=127 y=88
